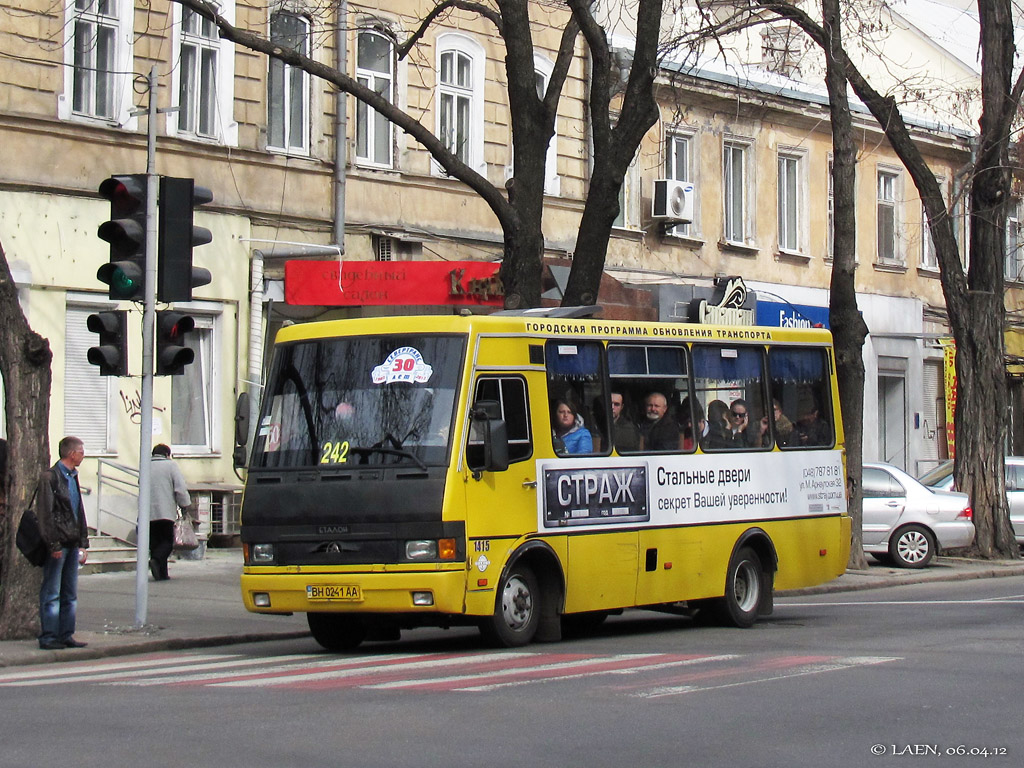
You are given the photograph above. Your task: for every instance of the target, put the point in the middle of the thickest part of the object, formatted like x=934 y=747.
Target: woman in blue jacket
x=569 y=429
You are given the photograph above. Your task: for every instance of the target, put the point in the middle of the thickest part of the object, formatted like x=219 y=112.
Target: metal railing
x=111 y=478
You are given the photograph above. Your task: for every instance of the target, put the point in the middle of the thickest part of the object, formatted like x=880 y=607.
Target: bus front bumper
x=271 y=591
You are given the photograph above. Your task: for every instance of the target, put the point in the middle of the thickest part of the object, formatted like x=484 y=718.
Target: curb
x=921 y=577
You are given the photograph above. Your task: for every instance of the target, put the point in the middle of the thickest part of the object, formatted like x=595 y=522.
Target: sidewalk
x=201 y=606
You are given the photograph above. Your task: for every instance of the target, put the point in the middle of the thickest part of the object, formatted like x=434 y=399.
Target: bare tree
x=618 y=127
x=848 y=327
x=25 y=358
x=974 y=301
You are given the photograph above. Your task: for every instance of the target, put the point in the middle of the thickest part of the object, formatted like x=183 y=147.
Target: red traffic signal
x=171 y=353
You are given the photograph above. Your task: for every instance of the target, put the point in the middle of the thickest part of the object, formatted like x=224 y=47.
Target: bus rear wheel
x=336 y=631
x=516 y=610
x=744 y=590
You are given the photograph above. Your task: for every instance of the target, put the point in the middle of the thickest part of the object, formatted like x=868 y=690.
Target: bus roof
x=550 y=327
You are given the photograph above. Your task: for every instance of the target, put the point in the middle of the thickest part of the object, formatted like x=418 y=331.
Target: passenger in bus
x=719 y=427
x=690 y=435
x=783 y=426
x=570 y=435
x=810 y=429
x=624 y=433
x=739 y=417
x=659 y=432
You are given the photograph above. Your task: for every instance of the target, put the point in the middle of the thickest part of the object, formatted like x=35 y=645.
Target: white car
x=906 y=523
x=941 y=478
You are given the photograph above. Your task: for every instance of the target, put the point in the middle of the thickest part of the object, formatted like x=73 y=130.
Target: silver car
x=906 y=523
x=941 y=478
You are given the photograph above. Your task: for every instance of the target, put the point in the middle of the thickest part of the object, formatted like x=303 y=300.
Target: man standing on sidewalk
x=168 y=492
x=63 y=527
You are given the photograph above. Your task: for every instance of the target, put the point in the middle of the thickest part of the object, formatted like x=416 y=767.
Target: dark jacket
x=58 y=524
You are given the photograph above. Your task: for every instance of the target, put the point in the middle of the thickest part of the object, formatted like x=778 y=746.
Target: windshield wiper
x=390 y=452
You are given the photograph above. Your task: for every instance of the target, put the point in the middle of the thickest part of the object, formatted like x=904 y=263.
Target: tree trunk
x=25 y=365
x=848 y=327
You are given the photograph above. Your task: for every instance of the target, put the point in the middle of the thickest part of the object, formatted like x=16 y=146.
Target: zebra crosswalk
x=642 y=675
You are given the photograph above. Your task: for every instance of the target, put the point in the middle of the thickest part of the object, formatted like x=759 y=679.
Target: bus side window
x=577 y=397
x=730 y=386
x=511 y=394
x=653 y=385
x=802 y=405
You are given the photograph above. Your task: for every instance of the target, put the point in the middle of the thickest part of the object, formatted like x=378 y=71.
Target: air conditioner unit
x=672 y=200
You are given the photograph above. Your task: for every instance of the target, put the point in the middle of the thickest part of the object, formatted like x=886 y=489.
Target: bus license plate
x=349 y=592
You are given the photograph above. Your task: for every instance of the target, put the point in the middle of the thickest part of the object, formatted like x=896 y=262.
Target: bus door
x=501 y=506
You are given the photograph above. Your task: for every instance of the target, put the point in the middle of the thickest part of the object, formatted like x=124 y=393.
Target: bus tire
x=336 y=631
x=744 y=590
x=912 y=546
x=516 y=610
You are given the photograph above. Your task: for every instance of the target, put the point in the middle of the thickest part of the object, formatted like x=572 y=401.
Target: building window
x=888 y=223
x=374 y=70
x=552 y=182
x=460 y=98
x=91 y=401
x=781 y=49
x=830 y=226
x=1014 y=242
x=98 y=60
x=679 y=166
x=95 y=35
x=929 y=259
x=629 y=198
x=203 y=80
x=791 y=199
x=736 y=181
x=287 y=86
x=193 y=394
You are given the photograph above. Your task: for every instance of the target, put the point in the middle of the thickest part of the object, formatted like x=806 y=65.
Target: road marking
x=178 y=665
x=353 y=670
x=833 y=665
x=62 y=670
x=617 y=671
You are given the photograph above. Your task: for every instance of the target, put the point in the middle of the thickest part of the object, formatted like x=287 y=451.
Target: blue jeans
x=58 y=597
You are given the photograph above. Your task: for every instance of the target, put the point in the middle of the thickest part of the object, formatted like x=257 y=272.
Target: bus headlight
x=421 y=549
x=263 y=553
x=430 y=549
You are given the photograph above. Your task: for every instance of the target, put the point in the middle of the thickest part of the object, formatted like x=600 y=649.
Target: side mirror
x=494 y=433
x=242 y=419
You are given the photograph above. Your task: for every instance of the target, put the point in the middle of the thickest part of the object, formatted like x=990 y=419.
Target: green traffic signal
x=125 y=274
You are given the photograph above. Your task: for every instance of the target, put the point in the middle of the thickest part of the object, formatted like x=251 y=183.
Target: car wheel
x=912 y=546
x=516 y=610
x=744 y=590
x=336 y=631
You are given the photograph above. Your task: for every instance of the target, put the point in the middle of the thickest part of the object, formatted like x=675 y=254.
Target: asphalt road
x=876 y=678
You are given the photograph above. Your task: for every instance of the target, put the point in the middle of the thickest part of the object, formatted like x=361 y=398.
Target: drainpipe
x=340 y=128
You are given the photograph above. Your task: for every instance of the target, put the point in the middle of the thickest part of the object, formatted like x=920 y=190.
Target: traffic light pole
x=148 y=316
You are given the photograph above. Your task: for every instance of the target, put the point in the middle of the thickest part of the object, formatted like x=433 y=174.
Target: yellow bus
x=531 y=472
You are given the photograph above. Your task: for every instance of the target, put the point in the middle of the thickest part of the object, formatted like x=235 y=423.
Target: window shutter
x=87 y=395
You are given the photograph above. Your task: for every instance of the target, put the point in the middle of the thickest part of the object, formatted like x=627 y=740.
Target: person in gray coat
x=167 y=492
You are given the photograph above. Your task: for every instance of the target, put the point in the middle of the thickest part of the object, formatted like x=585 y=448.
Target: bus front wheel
x=516 y=610
x=336 y=631
x=744 y=590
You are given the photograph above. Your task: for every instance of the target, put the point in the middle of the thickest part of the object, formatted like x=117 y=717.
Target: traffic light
x=112 y=353
x=176 y=277
x=171 y=353
x=125 y=273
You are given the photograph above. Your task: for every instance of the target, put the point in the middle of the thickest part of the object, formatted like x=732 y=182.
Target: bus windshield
x=342 y=402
